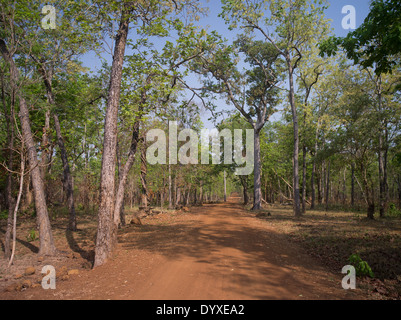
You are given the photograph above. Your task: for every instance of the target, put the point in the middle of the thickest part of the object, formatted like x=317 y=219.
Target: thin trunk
x=45 y=161
x=119 y=216
x=170 y=192
x=382 y=191
x=67 y=177
x=352 y=185
x=328 y=186
x=178 y=198
x=304 y=179
x=345 y=186
x=107 y=232
x=369 y=193
x=21 y=186
x=399 y=190
x=313 y=189
x=10 y=201
x=201 y=193
x=144 y=171
x=225 y=187
x=46 y=246
x=296 y=193
x=244 y=183
x=257 y=190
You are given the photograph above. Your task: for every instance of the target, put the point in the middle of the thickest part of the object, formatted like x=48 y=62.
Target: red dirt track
x=218 y=251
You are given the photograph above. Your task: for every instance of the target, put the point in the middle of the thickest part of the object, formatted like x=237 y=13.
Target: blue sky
x=334 y=13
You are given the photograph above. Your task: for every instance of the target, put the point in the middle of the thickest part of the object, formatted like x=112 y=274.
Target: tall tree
x=253 y=93
x=288 y=25
x=156 y=16
x=106 y=234
x=46 y=246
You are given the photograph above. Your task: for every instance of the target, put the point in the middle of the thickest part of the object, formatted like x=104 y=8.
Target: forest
x=85 y=85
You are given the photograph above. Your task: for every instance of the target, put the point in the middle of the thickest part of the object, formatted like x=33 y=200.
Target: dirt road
x=214 y=252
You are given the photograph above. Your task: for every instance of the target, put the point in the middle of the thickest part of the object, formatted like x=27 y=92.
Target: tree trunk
x=225 y=187
x=21 y=186
x=344 y=186
x=107 y=232
x=313 y=189
x=304 y=178
x=178 y=197
x=352 y=185
x=244 y=183
x=382 y=190
x=67 y=177
x=45 y=148
x=10 y=201
x=46 y=246
x=119 y=216
x=296 y=193
x=328 y=186
x=170 y=191
x=257 y=189
x=201 y=193
x=144 y=171
x=399 y=190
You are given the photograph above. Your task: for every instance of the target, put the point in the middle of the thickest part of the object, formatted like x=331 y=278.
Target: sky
x=334 y=13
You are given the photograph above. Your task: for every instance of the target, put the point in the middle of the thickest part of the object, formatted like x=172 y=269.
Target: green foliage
x=32 y=235
x=376 y=42
x=393 y=211
x=3 y=215
x=362 y=268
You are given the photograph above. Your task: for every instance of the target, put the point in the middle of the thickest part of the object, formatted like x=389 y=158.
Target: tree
x=106 y=234
x=288 y=26
x=47 y=246
x=376 y=42
x=253 y=93
x=156 y=17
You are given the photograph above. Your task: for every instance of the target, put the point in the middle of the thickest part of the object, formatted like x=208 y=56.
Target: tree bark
x=170 y=191
x=399 y=190
x=46 y=246
x=225 y=187
x=10 y=201
x=67 y=177
x=328 y=186
x=304 y=179
x=119 y=216
x=352 y=185
x=313 y=189
x=144 y=171
x=257 y=198
x=244 y=183
x=107 y=232
x=296 y=193
x=201 y=193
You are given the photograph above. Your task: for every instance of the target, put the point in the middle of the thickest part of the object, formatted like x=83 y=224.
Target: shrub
x=362 y=268
x=393 y=211
x=32 y=236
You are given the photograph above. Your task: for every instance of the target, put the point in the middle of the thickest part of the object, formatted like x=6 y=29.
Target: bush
x=393 y=211
x=362 y=268
x=32 y=236
x=4 y=215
